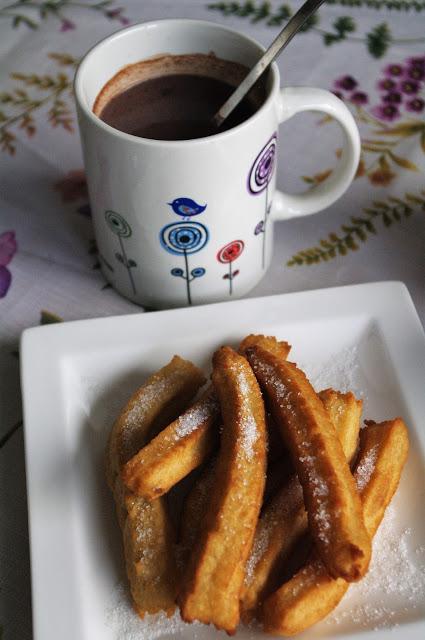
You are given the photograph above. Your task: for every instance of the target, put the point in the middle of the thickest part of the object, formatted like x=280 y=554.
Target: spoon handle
x=280 y=42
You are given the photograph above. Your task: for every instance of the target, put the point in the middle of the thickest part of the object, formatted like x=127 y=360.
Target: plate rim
x=392 y=294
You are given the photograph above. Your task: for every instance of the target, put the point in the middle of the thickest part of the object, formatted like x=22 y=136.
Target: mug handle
x=294 y=100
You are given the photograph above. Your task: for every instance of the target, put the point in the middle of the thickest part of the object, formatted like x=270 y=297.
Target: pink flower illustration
x=8 y=248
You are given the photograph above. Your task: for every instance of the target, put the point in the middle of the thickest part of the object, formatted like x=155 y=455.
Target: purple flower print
x=393 y=97
x=346 y=83
x=409 y=87
x=394 y=70
x=359 y=97
x=386 y=84
x=67 y=25
x=417 y=105
x=417 y=62
x=116 y=14
x=8 y=248
x=386 y=112
x=415 y=73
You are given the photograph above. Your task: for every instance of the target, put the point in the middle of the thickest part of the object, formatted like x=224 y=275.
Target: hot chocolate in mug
x=191 y=221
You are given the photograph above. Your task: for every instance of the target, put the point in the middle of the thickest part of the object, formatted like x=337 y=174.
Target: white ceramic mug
x=190 y=222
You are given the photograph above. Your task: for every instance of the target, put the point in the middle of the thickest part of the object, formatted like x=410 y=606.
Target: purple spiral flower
x=262 y=169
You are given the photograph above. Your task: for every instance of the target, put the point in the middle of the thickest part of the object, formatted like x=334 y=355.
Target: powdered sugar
x=394 y=585
x=195 y=416
x=341 y=372
x=365 y=469
x=249 y=431
x=126 y=624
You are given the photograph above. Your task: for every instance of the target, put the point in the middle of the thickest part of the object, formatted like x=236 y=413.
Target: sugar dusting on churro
x=195 y=416
x=249 y=430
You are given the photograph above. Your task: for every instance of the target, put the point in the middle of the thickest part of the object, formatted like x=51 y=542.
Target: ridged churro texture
x=330 y=497
x=212 y=586
x=148 y=536
x=312 y=593
x=284 y=521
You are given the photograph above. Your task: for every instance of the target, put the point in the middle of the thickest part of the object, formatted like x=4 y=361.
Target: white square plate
x=75 y=378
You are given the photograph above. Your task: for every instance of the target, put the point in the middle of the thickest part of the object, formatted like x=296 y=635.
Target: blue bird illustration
x=186 y=207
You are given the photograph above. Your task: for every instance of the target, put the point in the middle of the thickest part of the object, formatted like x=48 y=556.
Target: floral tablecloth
x=370 y=52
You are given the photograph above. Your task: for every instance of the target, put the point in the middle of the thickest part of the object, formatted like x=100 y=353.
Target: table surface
x=370 y=52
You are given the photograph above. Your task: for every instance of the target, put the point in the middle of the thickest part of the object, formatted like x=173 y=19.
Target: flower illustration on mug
x=120 y=227
x=184 y=239
x=259 y=179
x=227 y=255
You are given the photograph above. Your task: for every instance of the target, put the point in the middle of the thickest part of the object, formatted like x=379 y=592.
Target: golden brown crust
x=148 y=536
x=214 y=579
x=279 y=348
x=311 y=594
x=345 y=412
x=176 y=450
x=159 y=400
x=168 y=458
x=330 y=496
x=284 y=519
x=195 y=509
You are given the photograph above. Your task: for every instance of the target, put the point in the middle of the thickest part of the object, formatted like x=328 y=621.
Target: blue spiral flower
x=197 y=272
x=183 y=238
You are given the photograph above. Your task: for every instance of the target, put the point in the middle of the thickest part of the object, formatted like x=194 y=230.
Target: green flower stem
x=35 y=105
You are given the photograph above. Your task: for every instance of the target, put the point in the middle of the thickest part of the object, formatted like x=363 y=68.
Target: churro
x=176 y=450
x=213 y=583
x=311 y=594
x=187 y=442
x=148 y=536
x=284 y=520
x=332 y=502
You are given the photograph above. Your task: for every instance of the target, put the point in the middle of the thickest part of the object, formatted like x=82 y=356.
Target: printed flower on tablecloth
x=8 y=247
x=32 y=14
x=73 y=187
x=390 y=119
x=227 y=255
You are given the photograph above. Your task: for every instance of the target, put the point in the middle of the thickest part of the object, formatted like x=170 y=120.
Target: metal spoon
x=282 y=40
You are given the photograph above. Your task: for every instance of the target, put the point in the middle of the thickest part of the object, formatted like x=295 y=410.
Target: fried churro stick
x=147 y=533
x=312 y=594
x=194 y=511
x=186 y=442
x=284 y=519
x=332 y=502
x=176 y=451
x=214 y=579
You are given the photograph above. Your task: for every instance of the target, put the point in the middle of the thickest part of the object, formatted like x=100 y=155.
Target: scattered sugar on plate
x=394 y=585
x=341 y=372
x=126 y=624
